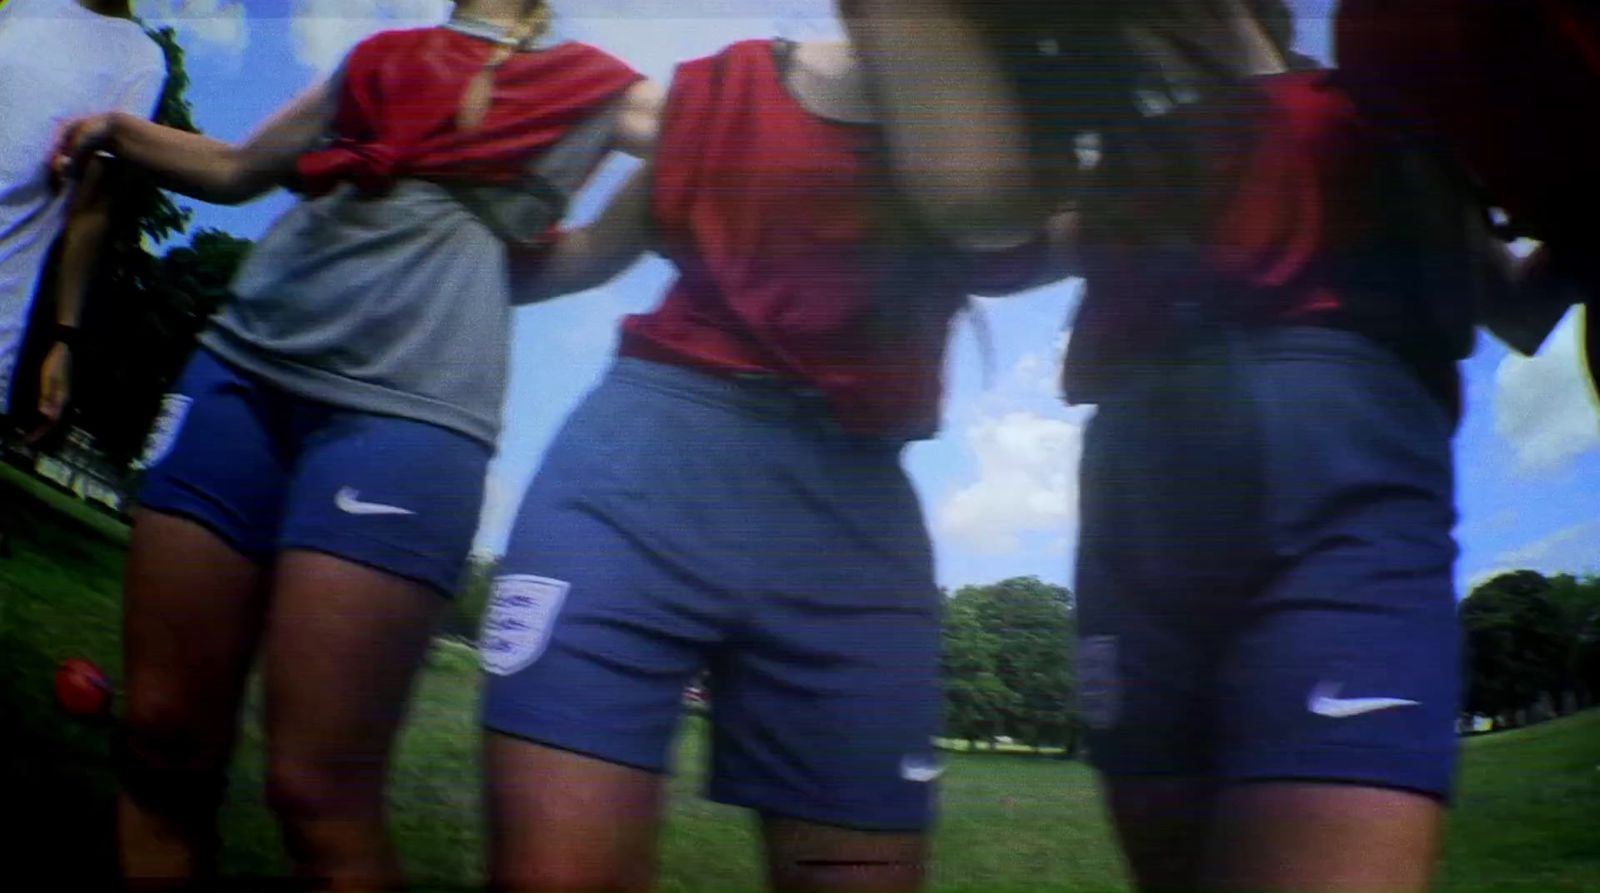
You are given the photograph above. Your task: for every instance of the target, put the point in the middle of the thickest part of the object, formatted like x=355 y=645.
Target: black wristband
x=62 y=333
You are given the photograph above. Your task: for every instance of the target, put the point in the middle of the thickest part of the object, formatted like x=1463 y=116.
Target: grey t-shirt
x=397 y=305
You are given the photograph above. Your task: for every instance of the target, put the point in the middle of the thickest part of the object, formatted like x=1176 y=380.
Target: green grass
x=1528 y=819
x=1529 y=816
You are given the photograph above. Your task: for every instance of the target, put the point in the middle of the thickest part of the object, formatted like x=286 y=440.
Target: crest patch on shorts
x=1099 y=681
x=517 y=623
x=164 y=433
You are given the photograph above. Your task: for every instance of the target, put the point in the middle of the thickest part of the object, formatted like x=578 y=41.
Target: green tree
x=1517 y=646
x=1009 y=653
x=159 y=216
x=1586 y=657
x=1578 y=601
x=144 y=213
x=141 y=336
x=976 y=701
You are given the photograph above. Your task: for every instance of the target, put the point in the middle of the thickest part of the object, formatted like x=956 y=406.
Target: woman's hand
x=196 y=165
x=76 y=141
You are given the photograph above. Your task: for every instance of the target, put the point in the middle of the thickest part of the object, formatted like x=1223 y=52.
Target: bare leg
x=803 y=857
x=344 y=644
x=1323 y=838
x=192 y=615
x=560 y=822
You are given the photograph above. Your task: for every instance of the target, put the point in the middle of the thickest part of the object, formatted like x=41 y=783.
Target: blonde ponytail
x=480 y=90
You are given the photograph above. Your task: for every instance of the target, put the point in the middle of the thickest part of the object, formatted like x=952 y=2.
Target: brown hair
x=478 y=96
x=1082 y=65
x=1110 y=68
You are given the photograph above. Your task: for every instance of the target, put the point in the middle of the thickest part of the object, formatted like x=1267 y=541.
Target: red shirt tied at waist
x=400 y=92
x=775 y=219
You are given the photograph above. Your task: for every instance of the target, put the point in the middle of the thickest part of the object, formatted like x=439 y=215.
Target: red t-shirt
x=400 y=93
x=773 y=217
x=1290 y=232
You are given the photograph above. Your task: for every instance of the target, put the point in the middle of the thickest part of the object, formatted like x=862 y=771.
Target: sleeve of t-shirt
x=352 y=88
x=142 y=92
x=594 y=62
x=680 y=150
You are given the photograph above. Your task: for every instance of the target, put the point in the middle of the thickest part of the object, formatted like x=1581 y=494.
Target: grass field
x=1529 y=815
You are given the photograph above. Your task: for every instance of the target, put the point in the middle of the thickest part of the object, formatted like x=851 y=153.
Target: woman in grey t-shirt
x=316 y=478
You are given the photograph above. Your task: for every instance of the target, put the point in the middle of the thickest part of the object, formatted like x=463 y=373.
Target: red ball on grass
x=82 y=689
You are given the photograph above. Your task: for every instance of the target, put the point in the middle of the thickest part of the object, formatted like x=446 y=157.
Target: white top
x=58 y=61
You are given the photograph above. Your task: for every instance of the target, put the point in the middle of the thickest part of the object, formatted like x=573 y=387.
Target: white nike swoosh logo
x=921 y=773
x=349 y=502
x=1324 y=701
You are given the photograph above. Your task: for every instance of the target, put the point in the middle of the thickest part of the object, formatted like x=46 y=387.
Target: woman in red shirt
x=282 y=511
x=730 y=498
x=1278 y=288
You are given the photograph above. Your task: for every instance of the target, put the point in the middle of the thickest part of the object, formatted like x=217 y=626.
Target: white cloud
x=1543 y=405
x=1026 y=445
x=1027 y=483
x=324 y=30
x=1036 y=374
x=219 y=25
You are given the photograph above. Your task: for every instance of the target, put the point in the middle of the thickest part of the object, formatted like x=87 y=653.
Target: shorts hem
x=772 y=803
x=447 y=592
x=1428 y=773
x=1132 y=769
x=1441 y=797
x=561 y=734
x=233 y=541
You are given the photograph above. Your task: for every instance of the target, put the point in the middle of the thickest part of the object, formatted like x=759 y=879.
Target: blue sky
x=999 y=487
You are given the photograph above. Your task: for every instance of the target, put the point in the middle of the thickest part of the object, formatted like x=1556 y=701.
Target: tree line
x=1532 y=646
x=1532 y=652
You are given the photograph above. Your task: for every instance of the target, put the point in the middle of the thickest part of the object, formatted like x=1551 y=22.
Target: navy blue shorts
x=682 y=522
x=269 y=471
x=1265 y=571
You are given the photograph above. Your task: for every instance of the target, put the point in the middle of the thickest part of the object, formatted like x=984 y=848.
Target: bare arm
x=593 y=255
x=1054 y=260
x=199 y=166
x=85 y=234
x=956 y=132
x=639 y=120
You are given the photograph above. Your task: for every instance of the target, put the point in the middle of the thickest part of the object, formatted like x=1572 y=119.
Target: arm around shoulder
x=199 y=166
x=639 y=119
x=590 y=256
